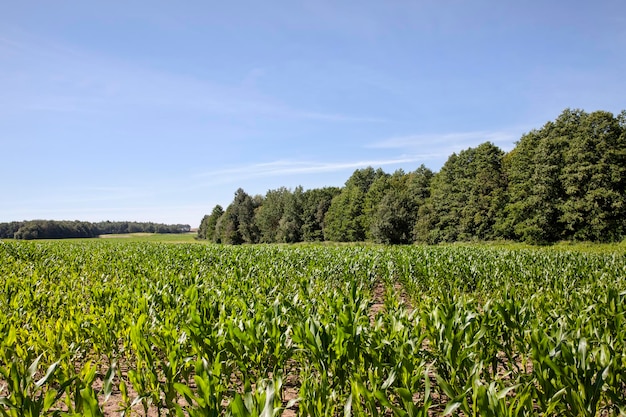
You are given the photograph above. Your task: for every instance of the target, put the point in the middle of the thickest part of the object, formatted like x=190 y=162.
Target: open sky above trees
x=157 y=111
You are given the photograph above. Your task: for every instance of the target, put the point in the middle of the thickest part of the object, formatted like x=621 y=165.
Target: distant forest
x=53 y=229
x=565 y=181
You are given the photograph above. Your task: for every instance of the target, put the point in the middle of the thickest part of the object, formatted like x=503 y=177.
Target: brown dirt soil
x=378 y=302
x=404 y=297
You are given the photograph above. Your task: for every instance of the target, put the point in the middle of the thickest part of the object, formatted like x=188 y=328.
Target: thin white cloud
x=47 y=75
x=330 y=117
x=7 y=44
x=505 y=138
x=285 y=167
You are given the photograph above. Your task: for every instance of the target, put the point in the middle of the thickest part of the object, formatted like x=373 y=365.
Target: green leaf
x=49 y=399
x=451 y=407
x=268 y=409
x=107 y=387
x=582 y=351
x=11 y=337
x=405 y=394
x=183 y=390
x=503 y=393
x=48 y=374
x=124 y=391
x=237 y=407
x=32 y=369
x=390 y=379
x=90 y=403
x=347 y=409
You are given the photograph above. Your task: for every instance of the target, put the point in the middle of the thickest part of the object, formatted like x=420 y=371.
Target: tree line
x=54 y=229
x=564 y=181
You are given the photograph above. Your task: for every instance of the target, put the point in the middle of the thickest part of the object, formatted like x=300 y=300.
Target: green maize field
x=114 y=327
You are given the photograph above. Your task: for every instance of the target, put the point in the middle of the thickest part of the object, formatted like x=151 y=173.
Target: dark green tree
x=316 y=203
x=418 y=184
x=237 y=224
x=538 y=210
x=208 y=226
x=345 y=219
x=270 y=213
x=7 y=230
x=375 y=194
x=418 y=188
x=290 y=224
x=392 y=222
x=245 y=210
x=202 y=229
x=594 y=180
x=392 y=205
x=467 y=197
x=227 y=228
x=519 y=169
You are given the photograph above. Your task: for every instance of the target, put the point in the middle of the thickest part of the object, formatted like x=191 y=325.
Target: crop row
x=98 y=328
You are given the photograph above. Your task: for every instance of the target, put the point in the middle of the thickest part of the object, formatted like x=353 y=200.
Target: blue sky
x=158 y=110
